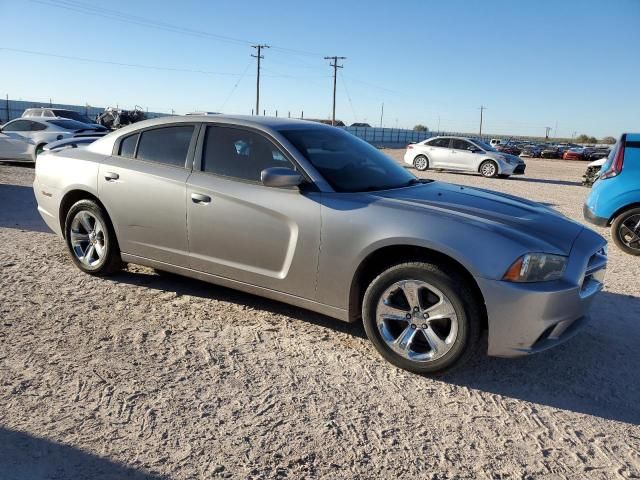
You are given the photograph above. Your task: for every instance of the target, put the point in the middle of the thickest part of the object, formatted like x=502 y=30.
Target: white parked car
x=25 y=138
x=56 y=112
x=462 y=154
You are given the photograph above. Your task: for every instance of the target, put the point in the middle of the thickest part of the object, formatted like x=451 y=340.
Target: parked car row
x=565 y=151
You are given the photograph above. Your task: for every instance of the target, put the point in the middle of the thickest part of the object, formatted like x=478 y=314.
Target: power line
x=235 y=86
x=120 y=64
x=353 y=110
x=258 y=47
x=149 y=23
x=335 y=74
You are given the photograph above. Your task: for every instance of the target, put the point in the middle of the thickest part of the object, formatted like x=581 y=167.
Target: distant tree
x=586 y=139
x=608 y=140
x=421 y=128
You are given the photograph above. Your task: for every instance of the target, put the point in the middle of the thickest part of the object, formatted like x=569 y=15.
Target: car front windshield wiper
x=416 y=181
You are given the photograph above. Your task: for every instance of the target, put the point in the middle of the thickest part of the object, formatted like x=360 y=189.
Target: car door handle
x=110 y=176
x=200 y=198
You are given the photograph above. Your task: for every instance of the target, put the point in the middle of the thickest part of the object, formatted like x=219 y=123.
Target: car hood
x=530 y=223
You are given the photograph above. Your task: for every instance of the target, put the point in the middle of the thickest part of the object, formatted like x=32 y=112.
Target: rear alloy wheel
x=421 y=163
x=625 y=231
x=91 y=239
x=420 y=318
x=488 y=169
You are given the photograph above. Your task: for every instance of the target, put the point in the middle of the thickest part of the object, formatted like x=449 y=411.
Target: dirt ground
x=143 y=375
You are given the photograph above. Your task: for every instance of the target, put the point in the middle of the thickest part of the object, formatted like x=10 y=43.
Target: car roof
x=267 y=124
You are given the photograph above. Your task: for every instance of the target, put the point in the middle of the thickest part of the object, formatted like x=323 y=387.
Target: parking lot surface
x=146 y=375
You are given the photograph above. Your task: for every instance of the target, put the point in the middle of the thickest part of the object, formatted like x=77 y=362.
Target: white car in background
x=462 y=154
x=22 y=140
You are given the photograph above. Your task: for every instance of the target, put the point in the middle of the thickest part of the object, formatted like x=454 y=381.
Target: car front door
x=15 y=140
x=462 y=155
x=438 y=152
x=240 y=229
x=142 y=186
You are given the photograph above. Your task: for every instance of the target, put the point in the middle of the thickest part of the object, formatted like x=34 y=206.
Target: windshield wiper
x=416 y=181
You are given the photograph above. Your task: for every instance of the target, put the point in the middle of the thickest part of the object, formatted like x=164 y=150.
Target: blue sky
x=532 y=63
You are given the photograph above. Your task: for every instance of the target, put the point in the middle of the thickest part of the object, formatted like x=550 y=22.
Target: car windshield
x=346 y=162
x=485 y=146
x=71 y=124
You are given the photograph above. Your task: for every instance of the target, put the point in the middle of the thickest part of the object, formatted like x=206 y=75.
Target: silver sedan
x=25 y=138
x=310 y=215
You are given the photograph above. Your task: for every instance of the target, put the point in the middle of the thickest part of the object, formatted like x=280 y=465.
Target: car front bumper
x=525 y=318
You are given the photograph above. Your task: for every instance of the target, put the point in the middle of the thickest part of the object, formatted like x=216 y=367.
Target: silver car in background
x=25 y=138
x=310 y=215
x=462 y=154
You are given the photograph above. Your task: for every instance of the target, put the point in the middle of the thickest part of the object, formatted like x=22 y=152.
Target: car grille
x=593 y=280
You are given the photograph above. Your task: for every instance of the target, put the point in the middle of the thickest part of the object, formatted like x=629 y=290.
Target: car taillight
x=618 y=161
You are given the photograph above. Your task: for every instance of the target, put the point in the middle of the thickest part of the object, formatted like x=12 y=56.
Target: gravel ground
x=143 y=375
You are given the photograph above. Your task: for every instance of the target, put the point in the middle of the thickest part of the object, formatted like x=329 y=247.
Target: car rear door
x=438 y=152
x=240 y=229
x=142 y=186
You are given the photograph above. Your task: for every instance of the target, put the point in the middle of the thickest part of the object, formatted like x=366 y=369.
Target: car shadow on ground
x=19 y=210
x=23 y=456
x=169 y=282
x=589 y=374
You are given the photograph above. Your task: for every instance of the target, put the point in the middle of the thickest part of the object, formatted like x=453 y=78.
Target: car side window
x=168 y=145
x=17 y=126
x=458 y=144
x=38 y=127
x=128 y=146
x=440 y=142
x=237 y=153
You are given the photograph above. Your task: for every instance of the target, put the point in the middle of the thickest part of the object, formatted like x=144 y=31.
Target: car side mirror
x=473 y=149
x=280 y=177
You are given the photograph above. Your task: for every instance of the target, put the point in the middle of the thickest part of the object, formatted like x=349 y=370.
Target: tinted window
x=69 y=124
x=37 y=127
x=17 y=126
x=458 y=144
x=72 y=115
x=128 y=146
x=167 y=145
x=237 y=153
x=440 y=142
x=347 y=163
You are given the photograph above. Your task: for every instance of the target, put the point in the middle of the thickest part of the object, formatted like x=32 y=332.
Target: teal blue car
x=615 y=198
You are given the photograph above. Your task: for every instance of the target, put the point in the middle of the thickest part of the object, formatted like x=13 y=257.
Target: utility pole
x=482 y=109
x=259 y=57
x=546 y=135
x=381 y=114
x=335 y=74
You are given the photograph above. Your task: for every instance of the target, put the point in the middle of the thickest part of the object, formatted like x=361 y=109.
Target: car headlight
x=536 y=267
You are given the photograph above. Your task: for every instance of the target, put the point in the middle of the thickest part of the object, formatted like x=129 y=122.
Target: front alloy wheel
x=422 y=318
x=416 y=320
x=489 y=169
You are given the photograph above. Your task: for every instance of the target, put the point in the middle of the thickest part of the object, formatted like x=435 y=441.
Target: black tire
x=38 y=150
x=465 y=304
x=622 y=229
x=421 y=163
x=486 y=171
x=110 y=261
